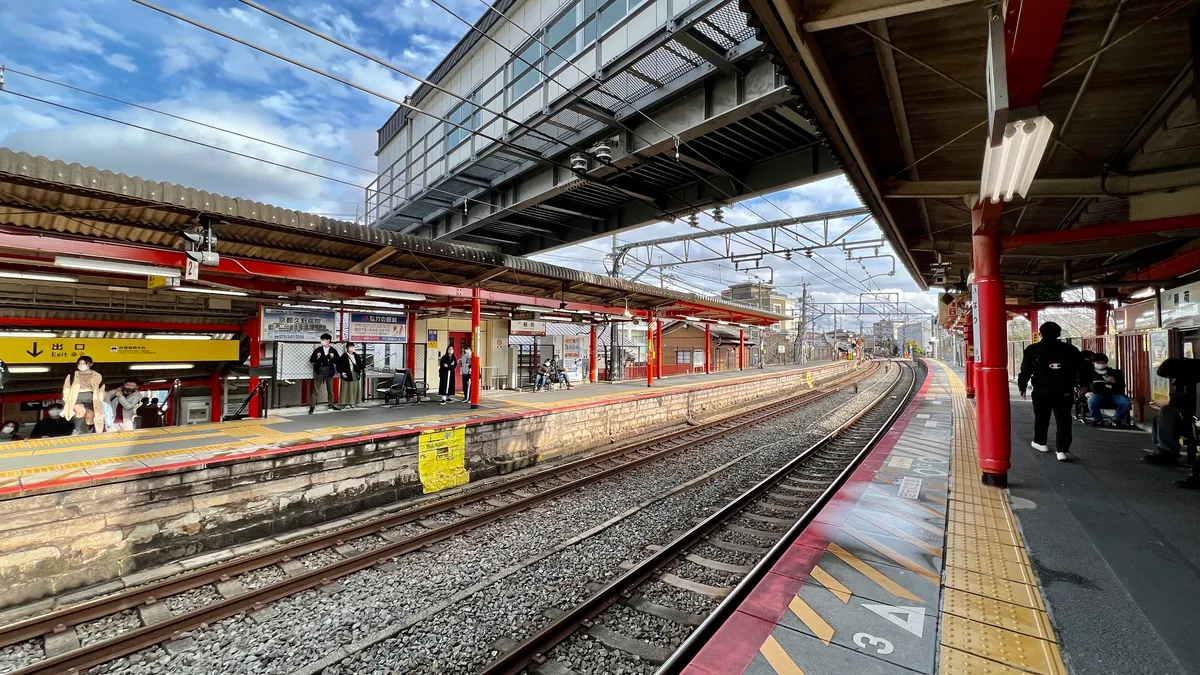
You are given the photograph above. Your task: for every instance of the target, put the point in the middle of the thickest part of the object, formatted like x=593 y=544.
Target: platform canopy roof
x=899 y=87
x=50 y=208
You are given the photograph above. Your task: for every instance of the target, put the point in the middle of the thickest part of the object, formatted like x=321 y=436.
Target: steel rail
x=536 y=647
x=147 y=636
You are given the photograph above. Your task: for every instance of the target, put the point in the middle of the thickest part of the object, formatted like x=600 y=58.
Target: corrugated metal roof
x=49 y=195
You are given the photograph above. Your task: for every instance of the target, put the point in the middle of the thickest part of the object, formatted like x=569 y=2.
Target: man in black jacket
x=324 y=361
x=1107 y=386
x=1054 y=367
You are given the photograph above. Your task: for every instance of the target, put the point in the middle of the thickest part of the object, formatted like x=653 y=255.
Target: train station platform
x=914 y=567
x=46 y=464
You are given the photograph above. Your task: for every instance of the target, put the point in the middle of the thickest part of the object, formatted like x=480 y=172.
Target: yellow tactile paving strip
x=993 y=619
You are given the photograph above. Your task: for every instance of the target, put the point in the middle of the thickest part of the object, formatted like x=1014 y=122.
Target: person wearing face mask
x=8 y=433
x=352 y=369
x=52 y=425
x=1107 y=386
x=465 y=364
x=1055 y=369
x=324 y=361
x=83 y=393
x=125 y=401
x=446 y=366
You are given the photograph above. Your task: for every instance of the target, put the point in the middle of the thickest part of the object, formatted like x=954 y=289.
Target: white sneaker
x=1063 y=456
x=1039 y=447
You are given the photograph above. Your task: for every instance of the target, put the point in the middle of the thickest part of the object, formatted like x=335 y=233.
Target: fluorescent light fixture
x=533 y=308
x=395 y=295
x=1009 y=168
x=723 y=323
x=174 y=336
x=558 y=318
x=29 y=334
x=361 y=303
x=323 y=309
x=90 y=265
x=162 y=366
x=28 y=370
x=207 y=291
x=1142 y=294
x=34 y=276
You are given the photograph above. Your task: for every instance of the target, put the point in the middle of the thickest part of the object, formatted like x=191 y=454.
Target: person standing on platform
x=446 y=366
x=465 y=364
x=352 y=368
x=125 y=401
x=83 y=396
x=324 y=361
x=1055 y=368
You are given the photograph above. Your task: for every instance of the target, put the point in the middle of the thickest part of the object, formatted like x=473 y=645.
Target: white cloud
x=122 y=61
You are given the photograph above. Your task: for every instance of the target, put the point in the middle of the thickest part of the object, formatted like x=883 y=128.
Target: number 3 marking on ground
x=864 y=639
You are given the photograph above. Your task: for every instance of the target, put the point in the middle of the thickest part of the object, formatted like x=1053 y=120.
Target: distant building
x=920 y=332
x=763 y=296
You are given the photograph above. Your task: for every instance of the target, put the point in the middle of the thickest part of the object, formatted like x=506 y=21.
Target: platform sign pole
x=477 y=348
x=410 y=350
x=649 y=349
x=254 y=328
x=658 y=346
x=993 y=413
x=592 y=356
x=741 y=348
x=707 y=347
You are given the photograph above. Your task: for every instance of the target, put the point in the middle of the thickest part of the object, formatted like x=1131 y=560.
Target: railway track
x=775 y=510
x=435 y=521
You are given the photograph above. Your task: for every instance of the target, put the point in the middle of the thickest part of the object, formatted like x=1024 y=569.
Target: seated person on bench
x=1173 y=419
x=556 y=367
x=1107 y=386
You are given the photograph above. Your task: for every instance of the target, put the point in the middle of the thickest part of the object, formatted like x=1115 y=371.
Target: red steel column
x=476 y=349
x=254 y=329
x=969 y=358
x=410 y=350
x=707 y=347
x=1101 y=325
x=649 y=349
x=658 y=346
x=592 y=357
x=215 y=413
x=741 y=348
x=992 y=410
x=1034 y=335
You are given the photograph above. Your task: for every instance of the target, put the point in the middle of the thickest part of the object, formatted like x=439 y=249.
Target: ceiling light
x=207 y=291
x=323 y=309
x=91 y=265
x=361 y=303
x=28 y=370
x=723 y=323
x=1144 y=293
x=34 y=276
x=162 y=366
x=29 y=334
x=1008 y=168
x=395 y=295
x=174 y=336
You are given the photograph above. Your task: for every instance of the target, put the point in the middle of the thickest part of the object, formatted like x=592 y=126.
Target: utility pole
x=612 y=330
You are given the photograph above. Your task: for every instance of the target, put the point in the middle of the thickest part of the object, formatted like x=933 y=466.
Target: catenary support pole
x=476 y=349
x=992 y=409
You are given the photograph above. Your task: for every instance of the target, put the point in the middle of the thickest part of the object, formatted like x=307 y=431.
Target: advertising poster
x=284 y=324
x=377 y=328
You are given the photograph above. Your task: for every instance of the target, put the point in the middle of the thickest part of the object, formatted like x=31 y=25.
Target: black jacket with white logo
x=1055 y=367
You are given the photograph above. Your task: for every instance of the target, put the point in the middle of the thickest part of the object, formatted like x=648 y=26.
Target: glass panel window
x=610 y=15
x=523 y=76
x=557 y=33
x=467 y=115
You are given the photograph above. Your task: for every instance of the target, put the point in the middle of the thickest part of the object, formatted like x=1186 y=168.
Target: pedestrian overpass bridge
x=663 y=110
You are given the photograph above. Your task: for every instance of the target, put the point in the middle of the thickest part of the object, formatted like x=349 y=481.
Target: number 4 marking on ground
x=911 y=619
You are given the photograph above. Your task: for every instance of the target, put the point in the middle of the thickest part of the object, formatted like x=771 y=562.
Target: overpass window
x=466 y=114
x=522 y=75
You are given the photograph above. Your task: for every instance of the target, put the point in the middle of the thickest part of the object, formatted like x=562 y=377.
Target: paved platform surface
x=914 y=567
x=1117 y=547
x=40 y=463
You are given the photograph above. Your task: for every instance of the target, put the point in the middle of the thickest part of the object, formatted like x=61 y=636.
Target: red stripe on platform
x=738 y=640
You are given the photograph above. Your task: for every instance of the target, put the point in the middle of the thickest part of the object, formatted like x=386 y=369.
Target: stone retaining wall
x=53 y=542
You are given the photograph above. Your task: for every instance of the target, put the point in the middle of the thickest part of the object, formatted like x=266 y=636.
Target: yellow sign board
x=442 y=459
x=102 y=350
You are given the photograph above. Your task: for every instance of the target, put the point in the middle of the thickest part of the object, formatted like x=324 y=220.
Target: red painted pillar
x=658 y=346
x=410 y=351
x=1034 y=335
x=649 y=349
x=741 y=348
x=1101 y=325
x=215 y=390
x=592 y=356
x=304 y=387
x=992 y=410
x=707 y=347
x=254 y=329
x=476 y=349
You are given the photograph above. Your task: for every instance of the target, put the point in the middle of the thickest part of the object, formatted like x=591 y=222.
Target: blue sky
x=127 y=51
